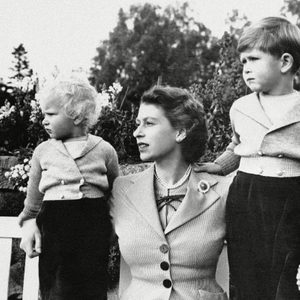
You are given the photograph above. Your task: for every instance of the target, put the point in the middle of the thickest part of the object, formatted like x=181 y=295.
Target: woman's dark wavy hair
x=183 y=111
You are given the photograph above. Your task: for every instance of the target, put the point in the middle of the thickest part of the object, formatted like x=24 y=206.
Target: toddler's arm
x=31 y=238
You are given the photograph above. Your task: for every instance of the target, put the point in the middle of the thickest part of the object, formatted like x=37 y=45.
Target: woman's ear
x=287 y=62
x=78 y=119
x=181 y=135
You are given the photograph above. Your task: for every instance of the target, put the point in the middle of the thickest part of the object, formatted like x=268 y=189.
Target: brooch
x=203 y=186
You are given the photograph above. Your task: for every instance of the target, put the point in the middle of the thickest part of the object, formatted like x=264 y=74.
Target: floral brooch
x=203 y=186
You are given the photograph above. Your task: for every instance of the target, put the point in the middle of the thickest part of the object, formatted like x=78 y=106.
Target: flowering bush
x=114 y=125
x=7 y=115
x=18 y=175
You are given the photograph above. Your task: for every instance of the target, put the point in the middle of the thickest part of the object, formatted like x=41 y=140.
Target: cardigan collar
x=251 y=107
x=141 y=195
x=92 y=141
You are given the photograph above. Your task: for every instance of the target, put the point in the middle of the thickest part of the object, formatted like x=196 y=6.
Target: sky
x=64 y=34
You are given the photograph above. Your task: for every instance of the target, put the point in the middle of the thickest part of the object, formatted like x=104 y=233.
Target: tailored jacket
x=180 y=261
x=255 y=136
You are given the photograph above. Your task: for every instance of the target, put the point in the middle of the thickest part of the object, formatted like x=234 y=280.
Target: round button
x=164 y=266
x=62 y=197
x=164 y=248
x=62 y=182
x=82 y=181
x=280 y=155
x=167 y=283
x=259 y=152
x=280 y=173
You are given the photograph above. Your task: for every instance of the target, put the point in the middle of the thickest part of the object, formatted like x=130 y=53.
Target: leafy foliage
x=151 y=45
x=218 y=95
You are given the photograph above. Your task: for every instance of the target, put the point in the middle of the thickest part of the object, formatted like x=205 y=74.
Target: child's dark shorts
x=75 y=244
x=263 y=223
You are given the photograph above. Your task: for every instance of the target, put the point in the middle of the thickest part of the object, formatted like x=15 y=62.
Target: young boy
x=263 y=206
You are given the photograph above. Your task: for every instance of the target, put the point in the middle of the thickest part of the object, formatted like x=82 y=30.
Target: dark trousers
x=263 y=223
x=75 y=243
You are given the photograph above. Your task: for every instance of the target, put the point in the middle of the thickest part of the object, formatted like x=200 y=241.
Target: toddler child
x=263 y=206
x=70 y=179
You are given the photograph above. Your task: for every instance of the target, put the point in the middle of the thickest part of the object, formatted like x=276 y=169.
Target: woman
x=169 y=220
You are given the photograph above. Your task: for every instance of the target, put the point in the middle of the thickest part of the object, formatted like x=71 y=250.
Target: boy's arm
x=228 y=161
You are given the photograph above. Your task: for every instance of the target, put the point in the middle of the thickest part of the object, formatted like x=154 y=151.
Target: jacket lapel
x=141 y=195
x=195 y=202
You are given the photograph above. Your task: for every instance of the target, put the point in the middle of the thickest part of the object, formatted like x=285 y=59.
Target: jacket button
x=164 y=248
x=62 y=197
x=280 y=173
x=62 y=182
x=167 y=283
x=259 y=152
x=164 y=266
x=280 y=155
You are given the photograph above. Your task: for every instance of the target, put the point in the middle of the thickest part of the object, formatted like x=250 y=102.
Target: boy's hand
x=31 y=238
x=298 y=277
x=207 y=167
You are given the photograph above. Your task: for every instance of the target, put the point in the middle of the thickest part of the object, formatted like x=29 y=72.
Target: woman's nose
x=137 y=132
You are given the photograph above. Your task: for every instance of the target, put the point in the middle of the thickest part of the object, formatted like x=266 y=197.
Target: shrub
x=218 y=95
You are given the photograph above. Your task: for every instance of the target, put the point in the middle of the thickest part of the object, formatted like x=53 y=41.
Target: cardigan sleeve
x=34 y=197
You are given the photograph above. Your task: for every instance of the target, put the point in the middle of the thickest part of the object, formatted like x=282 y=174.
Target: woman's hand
x=212 y=168
x=31 y=238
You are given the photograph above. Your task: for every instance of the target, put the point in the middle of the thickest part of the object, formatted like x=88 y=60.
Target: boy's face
x=262 y=71
x=57 y=124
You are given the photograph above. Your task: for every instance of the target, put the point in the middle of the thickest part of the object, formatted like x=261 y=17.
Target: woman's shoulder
x=218 y=183
x=133 y=175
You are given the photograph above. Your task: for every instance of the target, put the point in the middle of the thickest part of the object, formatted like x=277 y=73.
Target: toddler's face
x=261 y=71
x=57 y=124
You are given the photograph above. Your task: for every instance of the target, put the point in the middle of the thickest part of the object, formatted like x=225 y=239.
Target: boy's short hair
x=78 y=98
x=273 y=35
x=183 y=111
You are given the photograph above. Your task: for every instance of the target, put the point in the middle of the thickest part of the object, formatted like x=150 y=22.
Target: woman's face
x=155 y=136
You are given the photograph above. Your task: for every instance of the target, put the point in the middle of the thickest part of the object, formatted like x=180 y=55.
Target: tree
x=149 y=45
x=218 y=95
x=292 y=8
x=236 y=23
x=21 y=67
